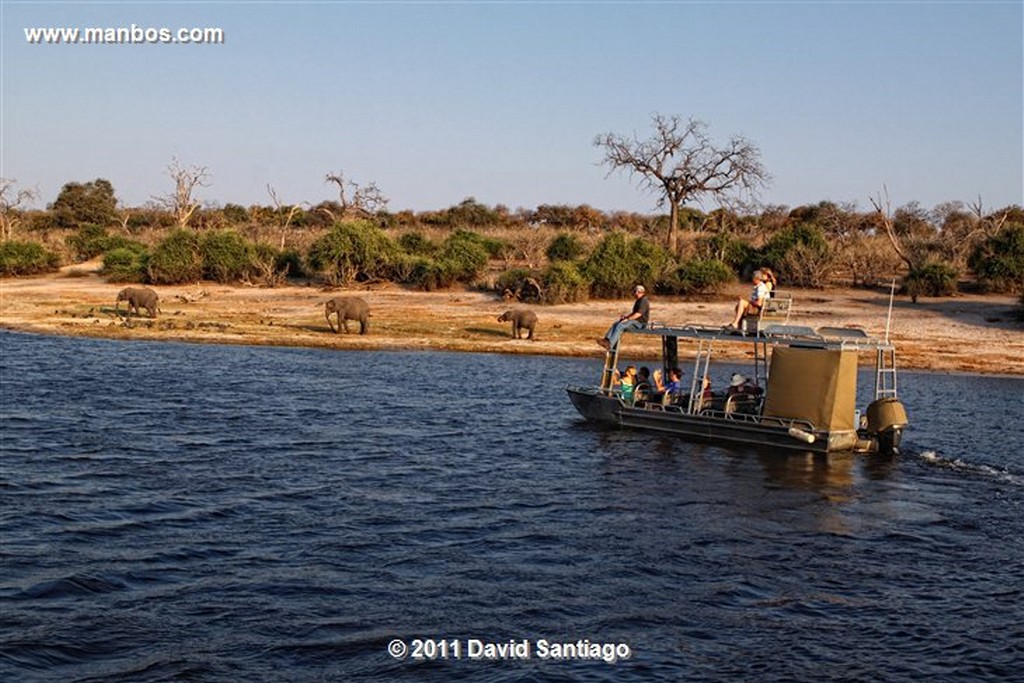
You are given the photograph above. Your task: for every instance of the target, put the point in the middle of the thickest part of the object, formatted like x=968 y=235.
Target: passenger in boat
x=672 y=386
x=626 y=382
x=633 y=320
x=643 y=383
x=739 y=384
x=752 y=304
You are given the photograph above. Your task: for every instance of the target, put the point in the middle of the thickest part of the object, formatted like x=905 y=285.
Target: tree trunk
x=673 y=234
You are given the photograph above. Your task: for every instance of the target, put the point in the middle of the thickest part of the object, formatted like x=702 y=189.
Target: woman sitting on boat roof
x=633 y=320
x=752 y=304
x=769 y=280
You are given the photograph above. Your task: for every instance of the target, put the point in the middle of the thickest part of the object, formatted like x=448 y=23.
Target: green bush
x=463 y=257
x=289 y=263
x=774 y=253
x=565 y=247
x=426 y=273
x=564 y=283
x=998 y=262
x=90 y=241
x=26 y=258
x=176 y=259
x=511 y=278
x=125 y=264
x=618 y=263
x=235 y=214
x=227 y=256
x=356 y=250
x=933 y=279
x=735 y=252
x=703 y=276
x=494 y=248
x=416 y=243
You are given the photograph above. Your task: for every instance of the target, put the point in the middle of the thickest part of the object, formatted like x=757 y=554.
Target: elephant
x=348 y=308
x=521 y=319
x=139 y=297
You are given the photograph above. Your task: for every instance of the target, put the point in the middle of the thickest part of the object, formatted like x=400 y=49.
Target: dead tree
x=10 y=201
x=681 y=163
x=278 y=206
x=355 y=200
x=181 y=202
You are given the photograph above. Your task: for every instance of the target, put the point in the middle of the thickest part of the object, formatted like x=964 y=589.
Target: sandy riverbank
x=962 y=334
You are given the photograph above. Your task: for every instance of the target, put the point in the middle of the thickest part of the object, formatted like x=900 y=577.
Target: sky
x=436 y=102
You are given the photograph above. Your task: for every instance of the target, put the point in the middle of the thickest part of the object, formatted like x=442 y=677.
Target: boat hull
x=744 y=430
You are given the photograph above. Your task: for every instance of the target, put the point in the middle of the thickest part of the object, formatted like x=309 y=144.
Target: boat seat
x=776 y=310
x=743 y=404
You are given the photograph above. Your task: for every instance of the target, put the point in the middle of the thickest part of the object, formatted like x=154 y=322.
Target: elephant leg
x=344 y=323
x=364 y=326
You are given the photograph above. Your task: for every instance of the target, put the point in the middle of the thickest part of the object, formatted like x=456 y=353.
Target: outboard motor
x=886 y=420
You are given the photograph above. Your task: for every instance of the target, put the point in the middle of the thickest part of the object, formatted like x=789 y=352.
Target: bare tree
x=278 y=210
x=356 y=200
x=10 y=201
x=181 y=202
x=681 y=163
x=914 y=241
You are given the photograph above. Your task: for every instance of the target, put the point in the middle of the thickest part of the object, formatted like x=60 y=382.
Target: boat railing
x=843 y=338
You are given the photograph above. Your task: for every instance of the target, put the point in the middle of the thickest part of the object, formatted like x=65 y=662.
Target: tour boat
x=806 y=396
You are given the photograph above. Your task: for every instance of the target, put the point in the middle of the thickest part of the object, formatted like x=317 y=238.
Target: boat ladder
x=700 y=373
x=885 y=373
x=611 y=361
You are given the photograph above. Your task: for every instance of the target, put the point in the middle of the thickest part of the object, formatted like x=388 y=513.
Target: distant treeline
x=574 y=252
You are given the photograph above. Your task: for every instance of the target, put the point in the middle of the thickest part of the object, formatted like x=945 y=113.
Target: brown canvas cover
x=817 y=385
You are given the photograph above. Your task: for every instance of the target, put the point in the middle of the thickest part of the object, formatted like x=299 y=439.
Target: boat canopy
x=813 y=384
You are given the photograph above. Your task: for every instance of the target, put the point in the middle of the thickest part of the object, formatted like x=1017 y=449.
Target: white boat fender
x=801 y=434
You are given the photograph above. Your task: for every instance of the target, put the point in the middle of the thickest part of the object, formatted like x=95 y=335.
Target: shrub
x=998 y=262
x=26 y=258
x=176 y=259
x=289 y=263
x=417 y=243
x=426 y=273
x=356 y=250
x=494 y=248
x=90 y=240
x=933 y=279
x=703 y=276
x=125 y=264
x=463 y=257
x=618 y=263
x=734 y=251
x=565 y=247
x=511 y=278
x=564 y=283
x=806 y=265
x=774 y=253
x=227 y=256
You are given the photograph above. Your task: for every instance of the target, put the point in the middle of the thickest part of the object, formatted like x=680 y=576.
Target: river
x=213 y=513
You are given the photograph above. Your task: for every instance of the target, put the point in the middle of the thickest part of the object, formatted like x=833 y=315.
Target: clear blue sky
x=501 y=101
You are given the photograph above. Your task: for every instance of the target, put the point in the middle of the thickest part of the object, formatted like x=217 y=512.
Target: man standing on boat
x=633 y=320
x=751 y=305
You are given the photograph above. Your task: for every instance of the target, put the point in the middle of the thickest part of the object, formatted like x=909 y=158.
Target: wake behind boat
x=806 y=394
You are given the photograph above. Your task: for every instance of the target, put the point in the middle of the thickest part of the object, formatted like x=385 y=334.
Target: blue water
x=173 y=512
